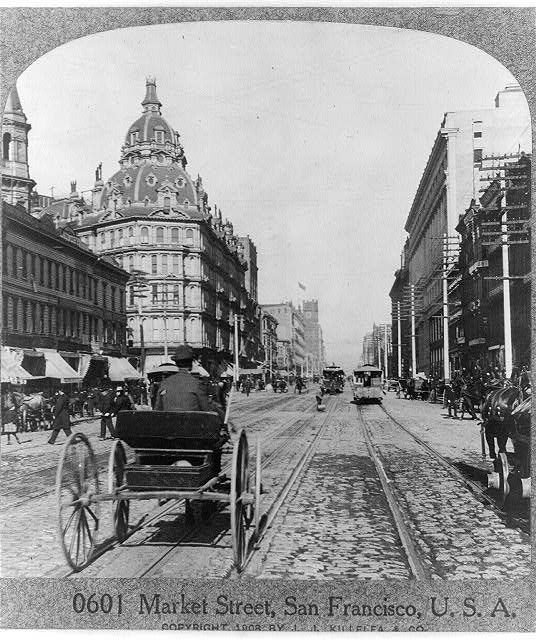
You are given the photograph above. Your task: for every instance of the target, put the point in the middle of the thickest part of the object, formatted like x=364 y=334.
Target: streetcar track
x=276 y=505
x=416 y=566
x=470 y=484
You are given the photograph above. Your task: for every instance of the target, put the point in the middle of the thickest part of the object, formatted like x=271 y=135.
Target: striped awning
x=120 y=369
x=57 y=368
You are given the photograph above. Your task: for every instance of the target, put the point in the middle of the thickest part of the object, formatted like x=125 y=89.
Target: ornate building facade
x=188 y=270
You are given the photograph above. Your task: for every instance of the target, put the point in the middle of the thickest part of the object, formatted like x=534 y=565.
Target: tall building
x=16 y=182
x=290 y=335
x=188 y=268
x=314 y=343
x=375 y=346
x=450 y=180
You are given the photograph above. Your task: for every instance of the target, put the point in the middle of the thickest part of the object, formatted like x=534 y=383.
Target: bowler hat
x=184 y=352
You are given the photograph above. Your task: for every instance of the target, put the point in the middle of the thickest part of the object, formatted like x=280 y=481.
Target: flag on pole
x=302 y=286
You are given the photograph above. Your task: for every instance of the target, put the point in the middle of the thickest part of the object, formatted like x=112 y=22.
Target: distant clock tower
x=16 y=182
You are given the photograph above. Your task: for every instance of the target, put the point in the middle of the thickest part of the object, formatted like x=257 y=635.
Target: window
x=131 y=263
x=120 y=237
x=24 y=265
x=112 y=238
x=112 y=297
x=164 y=264
x=477 y=156
x=189 y=236
x=42 y=263
x=6 y=142
x=176 y=293
x=176 y=265
x=160 y=235
x=33 y=272
x=131 y=235
x=144 y=235
x=104 y=287
x=175 y=236
x=167 y=202
x=154 y=264
x=477 y=134
x=71 y=281
x=134 y=137
x=154 y=291
x=144 y=263
x=159 y=135
x=131 y=296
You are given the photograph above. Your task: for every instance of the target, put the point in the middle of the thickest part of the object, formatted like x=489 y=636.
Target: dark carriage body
x=174 y=449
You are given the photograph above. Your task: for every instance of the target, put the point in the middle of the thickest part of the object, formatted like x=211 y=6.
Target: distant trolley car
x=368 y=384
x=332 y=380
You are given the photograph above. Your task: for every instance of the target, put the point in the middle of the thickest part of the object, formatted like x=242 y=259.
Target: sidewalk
x=457 y=440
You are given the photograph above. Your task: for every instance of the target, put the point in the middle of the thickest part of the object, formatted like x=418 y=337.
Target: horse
x=497 y=421
x=31 y=410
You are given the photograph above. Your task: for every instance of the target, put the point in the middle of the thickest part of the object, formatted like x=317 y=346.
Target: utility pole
x=385 y=354
x=379 y=343
x=235 y=349
x=413 y=337
x=506 y=295
x=399 y=346
x=165 y=300
x=446 y=349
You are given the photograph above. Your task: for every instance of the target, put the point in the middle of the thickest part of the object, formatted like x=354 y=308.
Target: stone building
x=290 y=335
x=17 y=185
x=478 y=326
x=314 y=342
x=450 y=180
x=57 y=296
x=269 y=341
x=187 y=267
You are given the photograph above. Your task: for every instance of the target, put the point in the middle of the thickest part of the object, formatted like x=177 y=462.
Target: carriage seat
x=170 y=429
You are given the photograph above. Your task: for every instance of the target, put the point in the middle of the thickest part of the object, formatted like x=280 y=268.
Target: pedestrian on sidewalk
x=9 y=415
x=451 y=400
x=90 y=402
x=62 y=419
x=123 y=401
x=107 y=408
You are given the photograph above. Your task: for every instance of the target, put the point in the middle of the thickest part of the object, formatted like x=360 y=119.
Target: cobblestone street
x=334 y=522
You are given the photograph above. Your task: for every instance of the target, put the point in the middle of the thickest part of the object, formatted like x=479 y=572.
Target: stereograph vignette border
x=507 y=34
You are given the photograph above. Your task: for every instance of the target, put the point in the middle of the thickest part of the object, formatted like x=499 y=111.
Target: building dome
x=150 y=183
x=153 y=165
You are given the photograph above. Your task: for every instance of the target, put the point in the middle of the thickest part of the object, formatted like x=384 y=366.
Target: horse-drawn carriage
x=506 y=413
x=177 y=456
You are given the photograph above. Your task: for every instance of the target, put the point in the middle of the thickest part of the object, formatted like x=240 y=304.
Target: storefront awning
x=11 y=371
x=152 y=362
x=57 y=368
x=120 y=369
x=252 y=372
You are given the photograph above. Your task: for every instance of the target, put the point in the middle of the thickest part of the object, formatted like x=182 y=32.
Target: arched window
x=176 y=264
x=167 y=202
x=120 y=237
x=131 y=235
x=144 y=263
x=160 y=235
x=164 y=263
x=112 y=238
x=154 y=264
x=175 y=236
x=131 y=263
x=144 y=235
x=5 y=146
x=189 y=236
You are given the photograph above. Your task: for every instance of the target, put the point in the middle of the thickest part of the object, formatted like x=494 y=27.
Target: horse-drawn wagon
x=177 y=456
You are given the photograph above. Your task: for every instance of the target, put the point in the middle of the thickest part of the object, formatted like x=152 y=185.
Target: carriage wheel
x=116 y=479
x=77 y=482
x=239 y=486
x=502 y=468
x=258 y=487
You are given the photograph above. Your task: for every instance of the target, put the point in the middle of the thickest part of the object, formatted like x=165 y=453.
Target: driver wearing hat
x=183 y=391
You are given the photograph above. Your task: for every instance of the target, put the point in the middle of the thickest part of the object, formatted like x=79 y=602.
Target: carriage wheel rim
x=238 y=478
x=116 y=475
x=80 y=513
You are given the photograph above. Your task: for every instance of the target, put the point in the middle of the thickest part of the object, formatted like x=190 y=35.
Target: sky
x=311 y=138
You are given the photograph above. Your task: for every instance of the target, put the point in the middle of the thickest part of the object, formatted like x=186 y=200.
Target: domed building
x=187 y=267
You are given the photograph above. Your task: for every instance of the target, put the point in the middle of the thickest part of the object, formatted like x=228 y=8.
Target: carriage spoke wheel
x=77 y=482
x=116 y=479
x=503 y=470
x=239 y=487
